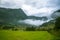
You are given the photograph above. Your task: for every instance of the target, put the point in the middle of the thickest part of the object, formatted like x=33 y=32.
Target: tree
x=57 y=23
x=30 y=28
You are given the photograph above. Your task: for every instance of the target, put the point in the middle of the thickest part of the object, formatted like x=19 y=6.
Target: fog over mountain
x=38 y=8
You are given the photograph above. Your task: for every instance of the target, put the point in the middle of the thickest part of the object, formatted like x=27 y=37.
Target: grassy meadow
x=25 y=35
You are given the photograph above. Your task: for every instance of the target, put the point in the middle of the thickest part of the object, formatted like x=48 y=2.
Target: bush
x=57 y=24
x=30 y=28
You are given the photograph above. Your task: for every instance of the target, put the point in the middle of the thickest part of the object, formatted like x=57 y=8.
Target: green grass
x=24 y=35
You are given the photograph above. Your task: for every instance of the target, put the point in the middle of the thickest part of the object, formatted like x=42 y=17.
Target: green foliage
x=47 y=26
x=30 y=28
x=24 y=35
x=57 y=24
x=56 y=30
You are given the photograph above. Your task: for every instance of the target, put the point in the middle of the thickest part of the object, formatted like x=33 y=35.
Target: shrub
x=30 y=28
x=57 y=24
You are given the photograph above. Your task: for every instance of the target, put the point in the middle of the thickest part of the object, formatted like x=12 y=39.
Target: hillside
x=56 y=14
x=38 y=18
x=11 y=15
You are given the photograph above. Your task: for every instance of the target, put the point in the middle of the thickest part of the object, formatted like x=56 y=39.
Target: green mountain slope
x=11 y=15
x=56 y=14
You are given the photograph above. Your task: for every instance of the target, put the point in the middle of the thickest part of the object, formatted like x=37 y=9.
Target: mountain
x=38 y=18
x=51 y=23
x=56 y=14
x=41 y=14
x=48 y=25
x=12 y=16
x=8 y=15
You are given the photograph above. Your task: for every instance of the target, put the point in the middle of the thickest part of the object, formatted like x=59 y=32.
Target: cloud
x=46 y=7
x=43 y=3
x=33 y=22
x=37 y=3
x=32 y=7
x=46 y=11
x=11 y=3
x=34 y=3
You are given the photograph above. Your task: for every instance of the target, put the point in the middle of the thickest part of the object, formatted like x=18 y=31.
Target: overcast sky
x=32 y=7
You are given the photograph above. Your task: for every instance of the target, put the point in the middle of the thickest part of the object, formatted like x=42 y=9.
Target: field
x=25 y=35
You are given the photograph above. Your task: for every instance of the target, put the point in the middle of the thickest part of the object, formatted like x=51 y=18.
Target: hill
x=8 y=15
x=56 y=14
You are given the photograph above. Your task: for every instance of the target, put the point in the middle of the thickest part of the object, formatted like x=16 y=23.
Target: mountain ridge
x=8 y=15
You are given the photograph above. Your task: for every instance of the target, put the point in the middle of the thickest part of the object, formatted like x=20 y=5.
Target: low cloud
x=33 y=22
